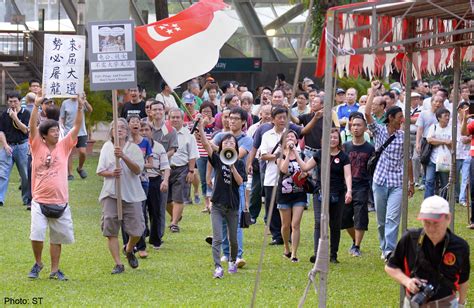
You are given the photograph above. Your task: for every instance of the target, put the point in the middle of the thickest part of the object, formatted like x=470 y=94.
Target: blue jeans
x=388 y=204
x=462 y=166
x=20 y=158
x=430 y=182
x=240 y=232
x=202 y=167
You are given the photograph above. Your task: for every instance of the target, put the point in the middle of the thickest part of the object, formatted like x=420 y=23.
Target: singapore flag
x=187 y=45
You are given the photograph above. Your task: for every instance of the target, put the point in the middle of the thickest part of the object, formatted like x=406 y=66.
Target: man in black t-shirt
x=432 y=255
x=136 y=106
x=355 y=217
x=14 y=141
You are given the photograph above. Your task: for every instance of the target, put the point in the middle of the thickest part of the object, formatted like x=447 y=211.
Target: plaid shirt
x=389 y=168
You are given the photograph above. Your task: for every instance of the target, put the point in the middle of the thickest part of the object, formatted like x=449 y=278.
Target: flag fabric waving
x=187 y=44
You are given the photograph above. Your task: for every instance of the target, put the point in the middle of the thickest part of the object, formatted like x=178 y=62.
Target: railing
x=12 y=44
x=3 y=78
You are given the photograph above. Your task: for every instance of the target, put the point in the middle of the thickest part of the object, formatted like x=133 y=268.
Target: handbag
x=374 y=158
x=52 y=210
x=425 y=151
x=307 y=183
x=245 y=220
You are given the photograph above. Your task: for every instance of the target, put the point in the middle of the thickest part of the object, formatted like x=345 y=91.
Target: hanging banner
x=63 y=65
x=112 y=56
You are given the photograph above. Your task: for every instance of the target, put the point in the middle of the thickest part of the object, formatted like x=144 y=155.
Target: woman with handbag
x=340 y=190
x=291 y=198
x=439 y=136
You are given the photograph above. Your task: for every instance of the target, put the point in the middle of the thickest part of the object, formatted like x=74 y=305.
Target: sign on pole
x=63 y=65
x=112 y=60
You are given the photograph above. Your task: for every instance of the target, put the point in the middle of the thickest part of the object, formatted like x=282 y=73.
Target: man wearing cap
x=351 y=105
x=340 y=97
x=388 y=176
x=432 y=255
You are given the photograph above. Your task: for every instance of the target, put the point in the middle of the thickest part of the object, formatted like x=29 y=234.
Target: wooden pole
x=454 y=132
x=118 y=190
x=325 y=161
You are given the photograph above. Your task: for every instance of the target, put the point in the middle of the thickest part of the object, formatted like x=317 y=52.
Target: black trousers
x=275 y=224
x=153 y=202
x=335 y=221
x=255 y=195
x=471 y=185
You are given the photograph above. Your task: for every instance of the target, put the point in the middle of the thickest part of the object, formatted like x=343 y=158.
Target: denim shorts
x=286 y=206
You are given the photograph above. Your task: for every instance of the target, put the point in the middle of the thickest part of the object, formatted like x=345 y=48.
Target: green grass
x=181 y=273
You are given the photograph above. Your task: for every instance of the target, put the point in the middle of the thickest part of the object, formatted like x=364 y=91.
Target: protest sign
x=112 y=55
x=63 y=65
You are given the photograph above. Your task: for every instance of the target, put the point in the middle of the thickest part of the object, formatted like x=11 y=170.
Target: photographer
x=432 y=263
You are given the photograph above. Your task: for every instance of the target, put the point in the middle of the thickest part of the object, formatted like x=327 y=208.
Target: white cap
x=415 y=94
x=433 y=208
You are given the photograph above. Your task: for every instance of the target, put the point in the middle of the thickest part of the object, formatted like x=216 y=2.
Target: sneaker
x=35 y=270
x=224 y=259
x=333 y=260
x=187 y=202
x=82 y=173
x=295 y=260
x=132 y=260
x=1 y=203
x=240 y=263
x=387 y=256
x=232 y=268
x=312 y=259
x=351 y=250
x=118 y=269
x=70 y=177
x=58 y=275
x=463 y=204
x=209 y=240
x=28 y=207
x=356 y=252
x=371 y=208
x=142 y=254
x=382 y=256
x=197 y=199
x=421 y=187
x=174 y=228
x=218 y=272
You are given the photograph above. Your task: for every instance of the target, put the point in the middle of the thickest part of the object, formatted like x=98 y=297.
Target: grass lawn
x=181 y=272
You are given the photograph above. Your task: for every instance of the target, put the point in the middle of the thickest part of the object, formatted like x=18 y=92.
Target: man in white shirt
x=269 y=151
x=183 y=164
x=166 y=98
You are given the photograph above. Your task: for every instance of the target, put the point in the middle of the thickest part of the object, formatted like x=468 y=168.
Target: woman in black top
x=340 y=189
x=225 y=199
x=291 y=199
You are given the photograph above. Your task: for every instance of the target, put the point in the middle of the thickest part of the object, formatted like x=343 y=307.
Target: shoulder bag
x=374 y=158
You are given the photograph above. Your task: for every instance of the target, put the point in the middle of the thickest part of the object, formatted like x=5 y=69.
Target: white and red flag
x=187 y=45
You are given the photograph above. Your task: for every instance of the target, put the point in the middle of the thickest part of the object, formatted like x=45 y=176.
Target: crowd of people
x=172 y=152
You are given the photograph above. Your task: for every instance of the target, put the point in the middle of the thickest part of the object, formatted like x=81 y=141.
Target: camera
x=425 y=293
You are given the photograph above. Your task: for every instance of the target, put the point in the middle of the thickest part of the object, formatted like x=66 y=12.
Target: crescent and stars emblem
x=166 y=28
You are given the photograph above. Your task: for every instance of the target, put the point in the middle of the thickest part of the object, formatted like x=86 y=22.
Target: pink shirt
x=49 y=170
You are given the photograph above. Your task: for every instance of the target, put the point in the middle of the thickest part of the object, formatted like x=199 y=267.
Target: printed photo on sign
x=111 y=38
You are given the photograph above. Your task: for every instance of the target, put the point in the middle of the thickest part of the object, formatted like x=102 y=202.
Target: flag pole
x=118 y=190
x=181 y=104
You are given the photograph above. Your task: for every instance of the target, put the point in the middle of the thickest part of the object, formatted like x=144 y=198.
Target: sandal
x=174 y=228
x=295 y=260
x=287 y=255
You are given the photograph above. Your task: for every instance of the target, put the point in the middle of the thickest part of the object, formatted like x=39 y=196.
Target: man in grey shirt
x=67 y=116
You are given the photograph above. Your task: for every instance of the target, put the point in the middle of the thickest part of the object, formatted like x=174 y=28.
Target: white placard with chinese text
x=63 y=65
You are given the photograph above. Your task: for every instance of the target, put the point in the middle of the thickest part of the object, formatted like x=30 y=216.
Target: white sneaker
x=240 y=263
x=382 y=256
x=232 y=268
x=218 y=272
x=224 y=259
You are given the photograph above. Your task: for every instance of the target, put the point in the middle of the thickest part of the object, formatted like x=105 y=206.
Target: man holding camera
x=432 y=263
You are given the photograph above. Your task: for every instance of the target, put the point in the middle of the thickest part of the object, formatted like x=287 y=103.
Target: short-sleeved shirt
x=225 y=193
x=262 y=129
x=470 y=131
x=313 y=139
x=168 y=100
x=389 y=168
x=166 y=135
x=344 y=110
x=425 y=120
x=159 y=160
x=359 y=156
x=437 y=132
x=288 y=191
x=337 y=183
x=68 y=112
x=130 y=109
x=210 y=131
x=131 y=187
x=49 y=170
x=13 y=134
x=243 y=141
x=218 y=118
x=187 y=148
x=269 y=140
x=453 y=264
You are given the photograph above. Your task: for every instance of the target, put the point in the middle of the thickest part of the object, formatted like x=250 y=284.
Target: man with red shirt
x=49 y=183
x=468 y=130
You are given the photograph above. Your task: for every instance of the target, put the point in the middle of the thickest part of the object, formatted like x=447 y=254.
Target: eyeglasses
x=234 y=118
x=147 y=106
x=47 y=162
